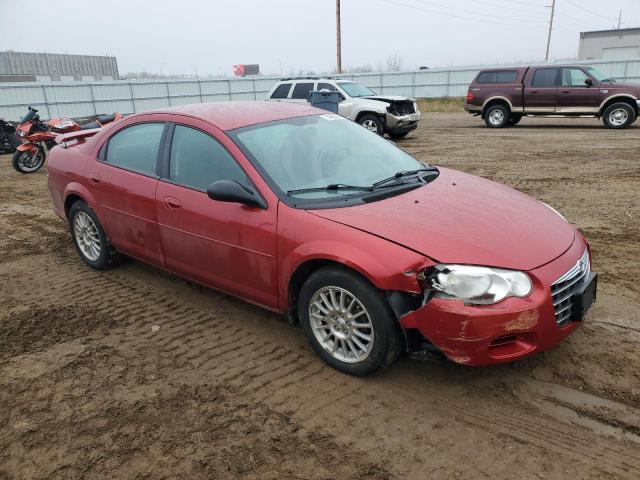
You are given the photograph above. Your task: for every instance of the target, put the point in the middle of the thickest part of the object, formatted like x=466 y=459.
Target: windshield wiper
x=401 y=174
x=329 y=188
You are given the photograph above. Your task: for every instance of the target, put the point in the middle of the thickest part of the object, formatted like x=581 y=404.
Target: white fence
x=80 y=99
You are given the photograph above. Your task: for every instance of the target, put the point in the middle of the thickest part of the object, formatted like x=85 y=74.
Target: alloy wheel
x=618 y=117
x=370 y=125
x=341 y=324
x=496 y=117
x=86 y=235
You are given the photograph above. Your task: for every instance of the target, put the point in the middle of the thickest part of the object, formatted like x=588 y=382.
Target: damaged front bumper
x=398 y=124
x=506 y=331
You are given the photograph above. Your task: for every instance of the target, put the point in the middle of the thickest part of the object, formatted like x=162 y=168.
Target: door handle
x=95 y=178
x=565 y=91
x=172 y=203
x=533 y=91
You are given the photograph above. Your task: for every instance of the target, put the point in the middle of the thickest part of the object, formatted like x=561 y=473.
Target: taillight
x=469 y=96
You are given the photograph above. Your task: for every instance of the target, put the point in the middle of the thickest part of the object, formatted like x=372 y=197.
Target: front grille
x=563 y=289
x=402 y=107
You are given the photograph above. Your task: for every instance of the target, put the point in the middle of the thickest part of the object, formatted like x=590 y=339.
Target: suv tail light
x=469 y=96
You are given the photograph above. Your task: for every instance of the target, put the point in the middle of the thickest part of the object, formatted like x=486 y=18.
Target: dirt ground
x=132 y=373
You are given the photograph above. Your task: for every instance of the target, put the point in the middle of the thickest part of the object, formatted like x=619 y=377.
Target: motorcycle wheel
x=26 y=162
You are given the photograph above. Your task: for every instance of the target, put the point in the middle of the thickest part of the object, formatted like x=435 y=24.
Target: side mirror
x=588 y=82
x=231 y=191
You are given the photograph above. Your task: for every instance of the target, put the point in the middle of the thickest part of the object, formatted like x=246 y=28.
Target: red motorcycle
x=38 y=137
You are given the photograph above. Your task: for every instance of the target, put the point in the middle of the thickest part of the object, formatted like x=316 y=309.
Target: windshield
x=319 y=151
x=598 y=75
x=354 y=89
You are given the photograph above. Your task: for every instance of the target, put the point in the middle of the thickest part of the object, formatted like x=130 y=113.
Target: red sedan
x=304 y=212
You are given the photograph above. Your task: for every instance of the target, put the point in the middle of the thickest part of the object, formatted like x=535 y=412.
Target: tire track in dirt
x=221 y=351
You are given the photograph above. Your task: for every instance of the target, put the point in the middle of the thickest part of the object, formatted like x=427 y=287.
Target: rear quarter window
x=282 y=91
x=504 y=76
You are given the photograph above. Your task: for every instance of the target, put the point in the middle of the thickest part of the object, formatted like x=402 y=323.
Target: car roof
x=231 y=115
x=546 y=65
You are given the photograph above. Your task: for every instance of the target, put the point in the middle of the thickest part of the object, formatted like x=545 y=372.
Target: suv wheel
x=89 y=237
x=348 y=323
x=372 y=122
x=619 y=115
x=497 y=116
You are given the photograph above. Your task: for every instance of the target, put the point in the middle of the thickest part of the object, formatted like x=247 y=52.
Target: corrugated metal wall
x=58 y=66
x=80 y=99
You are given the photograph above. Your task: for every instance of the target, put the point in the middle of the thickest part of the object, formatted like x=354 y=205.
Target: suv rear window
x=506 y=76
x=301 y=90
x=282 y=91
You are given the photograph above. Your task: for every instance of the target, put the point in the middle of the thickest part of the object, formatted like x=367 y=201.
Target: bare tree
x=365 y=68
x=393 y=62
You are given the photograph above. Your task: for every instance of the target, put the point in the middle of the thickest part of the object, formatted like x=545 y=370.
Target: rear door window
x=282 y=91
x=506 y=76
x=301 y=90
x=545 y=77
x=136 y=148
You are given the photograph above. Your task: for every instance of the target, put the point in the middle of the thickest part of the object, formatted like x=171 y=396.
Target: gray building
x=25 y=66
x=610 y=44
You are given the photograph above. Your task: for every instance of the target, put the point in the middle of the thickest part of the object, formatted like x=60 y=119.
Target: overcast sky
x=174 y=36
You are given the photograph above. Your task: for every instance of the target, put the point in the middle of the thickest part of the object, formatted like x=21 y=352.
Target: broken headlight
x=477 y=285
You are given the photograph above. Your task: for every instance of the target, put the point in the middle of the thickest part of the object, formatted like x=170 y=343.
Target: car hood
x=460 y=218
x=389 y=98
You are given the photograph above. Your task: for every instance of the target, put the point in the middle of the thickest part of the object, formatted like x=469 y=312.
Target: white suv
x=390 y=114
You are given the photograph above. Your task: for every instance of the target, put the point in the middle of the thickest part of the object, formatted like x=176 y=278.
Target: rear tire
x=348 y=322
x=497 y=116
x=619 y=115
x=26 y=162
x=372 y=123
x=89 y=237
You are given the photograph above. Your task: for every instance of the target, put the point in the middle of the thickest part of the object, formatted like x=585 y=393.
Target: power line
x=453 y=15
x=577 y=5
x=439 y=5
x=577 y=20
x=510 y=8
x=528 y=3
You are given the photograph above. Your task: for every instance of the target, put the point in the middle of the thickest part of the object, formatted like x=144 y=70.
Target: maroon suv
x=503 y=96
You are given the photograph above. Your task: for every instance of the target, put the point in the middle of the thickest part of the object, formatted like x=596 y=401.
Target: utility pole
x=619 y=19
x=338 y=39
x=553 y=11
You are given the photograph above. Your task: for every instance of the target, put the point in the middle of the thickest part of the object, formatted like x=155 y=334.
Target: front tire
x=89 y=237
x=372 y=123
x=619 y=115
x=497 y=116
x=348 y=323
x=398 y=136
x=27 y=162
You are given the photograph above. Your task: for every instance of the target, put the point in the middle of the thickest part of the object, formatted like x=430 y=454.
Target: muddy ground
x=132 y=373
